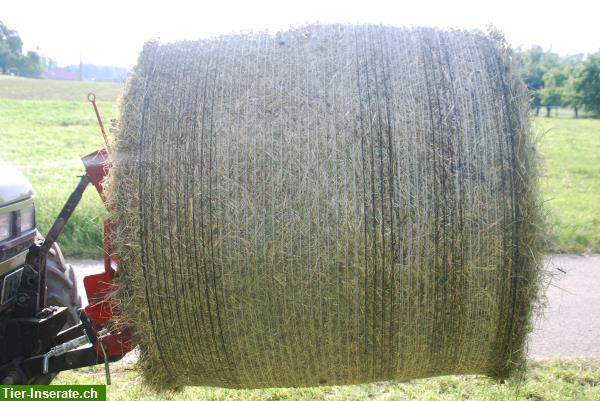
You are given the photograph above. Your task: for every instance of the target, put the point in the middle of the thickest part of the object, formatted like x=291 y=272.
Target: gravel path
x=568 y=327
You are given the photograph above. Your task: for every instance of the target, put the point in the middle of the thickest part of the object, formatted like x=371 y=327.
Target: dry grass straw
x=328 y=205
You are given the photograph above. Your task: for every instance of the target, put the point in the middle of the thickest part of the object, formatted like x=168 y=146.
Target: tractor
x=43 y=327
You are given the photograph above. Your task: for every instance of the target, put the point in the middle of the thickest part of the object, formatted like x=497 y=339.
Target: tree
x=551 y=95
x=12 y=59
x=571 y=96
x=588 y=83
x=535 y=64
x=6 y=56
x=533 y=74
x=10 y=47
x=31 y=65
x=572 y=81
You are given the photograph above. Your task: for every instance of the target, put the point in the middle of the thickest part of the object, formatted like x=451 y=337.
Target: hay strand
x=327 y=205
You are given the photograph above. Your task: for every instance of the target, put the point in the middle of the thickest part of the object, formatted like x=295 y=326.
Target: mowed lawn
x=570 y=151
x=46 y=138
x=543 y=381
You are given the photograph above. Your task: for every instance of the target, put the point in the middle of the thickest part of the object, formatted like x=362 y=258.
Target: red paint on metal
x=96 y=167
x=101 y=310
x=116 y=343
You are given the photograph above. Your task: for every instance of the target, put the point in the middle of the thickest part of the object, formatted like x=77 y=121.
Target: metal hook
x=92 y=99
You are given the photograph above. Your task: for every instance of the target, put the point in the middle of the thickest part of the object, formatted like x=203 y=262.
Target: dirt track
x=568 y=327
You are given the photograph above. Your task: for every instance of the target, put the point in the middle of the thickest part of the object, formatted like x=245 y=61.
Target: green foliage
x=12 y=59
x=533 y=73
x=555 y=82
x=588 y=83
x=6 y=55
x=31 y=65
x=551 y=94
x=577 y=380
x=570 y=93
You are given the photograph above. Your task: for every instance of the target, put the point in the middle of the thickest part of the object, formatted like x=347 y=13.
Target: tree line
x=555 y=81
x=12 y=59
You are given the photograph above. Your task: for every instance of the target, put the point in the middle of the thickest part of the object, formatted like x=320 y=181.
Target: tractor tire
x=61 y=284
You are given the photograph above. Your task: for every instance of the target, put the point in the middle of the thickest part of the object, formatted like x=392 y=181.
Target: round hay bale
x=328 y=205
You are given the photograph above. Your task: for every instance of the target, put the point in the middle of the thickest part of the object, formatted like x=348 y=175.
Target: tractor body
x=43 y=329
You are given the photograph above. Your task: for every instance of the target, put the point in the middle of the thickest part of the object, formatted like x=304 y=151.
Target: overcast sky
x=111 y=32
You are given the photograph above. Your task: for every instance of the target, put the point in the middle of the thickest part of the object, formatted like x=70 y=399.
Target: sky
x=112 y=32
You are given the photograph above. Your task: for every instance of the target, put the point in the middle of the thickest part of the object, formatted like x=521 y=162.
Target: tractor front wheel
x=61 y=285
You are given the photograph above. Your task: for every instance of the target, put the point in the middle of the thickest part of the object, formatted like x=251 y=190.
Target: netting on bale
x=327 y=205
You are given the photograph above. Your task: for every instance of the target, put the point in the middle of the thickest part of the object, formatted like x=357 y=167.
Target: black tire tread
x=61 y=284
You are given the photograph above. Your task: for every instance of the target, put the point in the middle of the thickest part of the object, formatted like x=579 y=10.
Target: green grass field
x=45 y=138
x=544 y=381
x=46 y=89
x=570 y=152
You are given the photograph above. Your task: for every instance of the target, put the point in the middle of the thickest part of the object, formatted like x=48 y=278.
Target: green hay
x=328 y=205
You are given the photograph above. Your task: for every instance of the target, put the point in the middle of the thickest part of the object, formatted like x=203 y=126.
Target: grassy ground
x=571 y=185
x=543 y=381
x=47 y=89
x=46 y=138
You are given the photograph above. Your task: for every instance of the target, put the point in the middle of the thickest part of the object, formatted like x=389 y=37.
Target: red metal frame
x=101 y=310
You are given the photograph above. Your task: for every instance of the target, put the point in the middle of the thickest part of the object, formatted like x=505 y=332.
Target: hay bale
x=328 y=205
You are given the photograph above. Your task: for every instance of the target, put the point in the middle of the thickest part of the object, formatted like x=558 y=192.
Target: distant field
x=47 y=89
x=46 y=139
